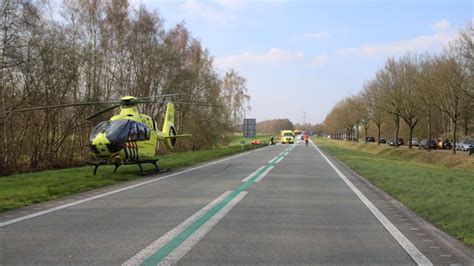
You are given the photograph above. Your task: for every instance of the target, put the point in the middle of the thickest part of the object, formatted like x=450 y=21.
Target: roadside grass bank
x=28 y=188
x=445 y=159
x=442 y=195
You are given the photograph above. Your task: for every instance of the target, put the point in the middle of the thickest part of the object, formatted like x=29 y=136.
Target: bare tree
x=375 y=112
x=390 y=93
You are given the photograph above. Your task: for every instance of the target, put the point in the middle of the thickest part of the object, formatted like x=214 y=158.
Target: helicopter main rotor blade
x=186 y=103
x=103 y=111
x=54 y=106
x=157 y=97
x=198 y=104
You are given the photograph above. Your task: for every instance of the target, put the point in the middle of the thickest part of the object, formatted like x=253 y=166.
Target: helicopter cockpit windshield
x=120 y=131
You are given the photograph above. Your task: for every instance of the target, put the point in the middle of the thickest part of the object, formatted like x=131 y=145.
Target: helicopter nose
x=100 y=149
x=100 y=146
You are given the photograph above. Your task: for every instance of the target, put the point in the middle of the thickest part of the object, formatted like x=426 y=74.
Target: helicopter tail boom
x=170 y=136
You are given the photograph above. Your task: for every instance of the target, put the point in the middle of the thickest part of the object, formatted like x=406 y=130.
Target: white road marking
x=189 y=243
x=416 y=255
x=264 y=174
x=279 y=160
x=40 y=213
x=160 y=242
x=184 y=247
x=273 y=159
x=252 y=174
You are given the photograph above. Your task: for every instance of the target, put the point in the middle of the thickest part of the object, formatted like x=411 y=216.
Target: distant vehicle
x=400 y=142
x=446 y=144
x=414 y=142
x=286 y=136
x=382 y=141
x=425 y=144
x=370 y=139
x=464 y=145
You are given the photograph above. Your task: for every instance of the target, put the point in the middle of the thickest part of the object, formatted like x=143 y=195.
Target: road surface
x=283 y=204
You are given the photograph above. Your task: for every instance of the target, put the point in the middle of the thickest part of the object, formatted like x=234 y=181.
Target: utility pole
x=304 y=118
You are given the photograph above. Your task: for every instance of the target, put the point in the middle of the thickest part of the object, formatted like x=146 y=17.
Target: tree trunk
x=357 y=132
x=429 y=128
x=397 y=130
x=366 y=128
x=378 y=129
x=454 y=134
x=466 y=124
x=410 y=132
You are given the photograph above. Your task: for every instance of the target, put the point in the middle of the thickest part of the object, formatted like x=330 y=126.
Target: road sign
x=250 y=127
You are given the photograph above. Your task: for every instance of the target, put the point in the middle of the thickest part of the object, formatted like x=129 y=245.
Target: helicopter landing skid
x=139 y=162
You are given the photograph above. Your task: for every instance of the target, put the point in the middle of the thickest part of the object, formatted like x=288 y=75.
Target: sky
x=301 y=57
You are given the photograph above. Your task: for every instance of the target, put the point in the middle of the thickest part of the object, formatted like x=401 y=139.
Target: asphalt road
x=284 y=204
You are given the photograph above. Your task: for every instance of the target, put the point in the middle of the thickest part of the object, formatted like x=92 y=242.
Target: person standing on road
x=306 y=138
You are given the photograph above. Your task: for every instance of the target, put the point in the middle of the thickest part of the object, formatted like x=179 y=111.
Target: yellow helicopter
x=129 y=137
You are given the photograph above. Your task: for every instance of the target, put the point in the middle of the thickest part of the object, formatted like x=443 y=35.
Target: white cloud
x=441 y=25
x=318 y=35
x=207 y=11
x=274 y=56
x=417 y=44
x=233 y=4
x=320 y=60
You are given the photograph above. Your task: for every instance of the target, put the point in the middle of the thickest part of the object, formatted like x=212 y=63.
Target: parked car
x=382 y=141
x=471 y=150
x=447 y=145
x=370 y=139
x=425 y=144
x=464 y=145
x=414 y=142
x=400 y=142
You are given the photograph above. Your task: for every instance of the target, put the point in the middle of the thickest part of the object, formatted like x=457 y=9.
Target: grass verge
x=442 y=195
x=29 y=188
x=235 y=141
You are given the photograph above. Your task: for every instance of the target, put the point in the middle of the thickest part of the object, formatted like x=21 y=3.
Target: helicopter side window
x=99 y=128
x=143 y=132
x=133 y=132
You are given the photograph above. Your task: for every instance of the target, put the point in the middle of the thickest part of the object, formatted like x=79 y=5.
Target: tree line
x=421 y=95
x=101 y=50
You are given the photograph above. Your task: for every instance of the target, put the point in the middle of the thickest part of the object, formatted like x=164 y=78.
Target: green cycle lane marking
x=163 y=252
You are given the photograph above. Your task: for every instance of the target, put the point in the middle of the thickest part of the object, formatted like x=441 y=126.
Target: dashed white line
x=264 y=174
x=159 y=243
x=279 y=160
x=189 y=243
x=252 y=174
